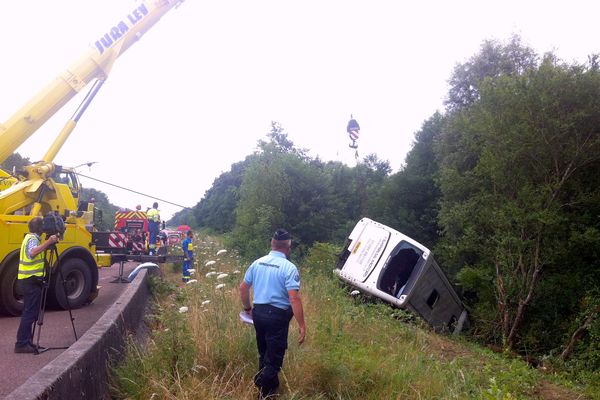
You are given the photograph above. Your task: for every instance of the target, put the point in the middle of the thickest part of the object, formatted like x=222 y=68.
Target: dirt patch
x=447 y=349
x=549 y=391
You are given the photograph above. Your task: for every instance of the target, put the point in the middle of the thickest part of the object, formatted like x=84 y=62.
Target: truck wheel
x=77 y=283
x=11 y=299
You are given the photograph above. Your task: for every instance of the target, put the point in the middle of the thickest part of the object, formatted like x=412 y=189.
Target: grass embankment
x=354 y=349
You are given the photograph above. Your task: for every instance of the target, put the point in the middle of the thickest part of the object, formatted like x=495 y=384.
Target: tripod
x=50 y=255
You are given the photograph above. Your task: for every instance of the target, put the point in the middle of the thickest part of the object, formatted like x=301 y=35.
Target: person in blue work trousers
x=30 y=277
x=153 y=227
x=276 y=298
x=188 y=255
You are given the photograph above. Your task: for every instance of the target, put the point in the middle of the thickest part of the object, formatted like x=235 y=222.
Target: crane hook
x=353 y=130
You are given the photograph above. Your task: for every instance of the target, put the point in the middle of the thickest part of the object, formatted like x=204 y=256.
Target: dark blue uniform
x=188 y=257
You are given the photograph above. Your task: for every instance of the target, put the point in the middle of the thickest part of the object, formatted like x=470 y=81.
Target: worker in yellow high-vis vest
x=30 y=278
x=153 y=215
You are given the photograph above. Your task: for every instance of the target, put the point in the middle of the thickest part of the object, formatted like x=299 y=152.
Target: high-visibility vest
x=153 y=215
x=30 y=266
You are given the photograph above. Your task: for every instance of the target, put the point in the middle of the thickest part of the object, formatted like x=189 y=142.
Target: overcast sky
x=198 y=91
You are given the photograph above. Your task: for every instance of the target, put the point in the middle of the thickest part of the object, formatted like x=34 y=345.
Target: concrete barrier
x=81 y=372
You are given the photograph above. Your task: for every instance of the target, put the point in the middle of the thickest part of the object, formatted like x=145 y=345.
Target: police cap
x=281 y=234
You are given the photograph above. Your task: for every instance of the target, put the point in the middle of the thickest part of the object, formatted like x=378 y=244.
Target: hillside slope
x=355 y=348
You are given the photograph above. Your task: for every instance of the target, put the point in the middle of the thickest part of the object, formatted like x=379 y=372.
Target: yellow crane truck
x=44 y=187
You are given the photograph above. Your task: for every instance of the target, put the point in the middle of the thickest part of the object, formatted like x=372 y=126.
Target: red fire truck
x=134 y=226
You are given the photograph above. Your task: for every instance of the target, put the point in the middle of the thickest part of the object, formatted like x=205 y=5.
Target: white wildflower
x=222 y=276
x=208 y=263
x=191 y=281
x=183 y=309
x=354 y=292
x=222 y=251
x=220 y=286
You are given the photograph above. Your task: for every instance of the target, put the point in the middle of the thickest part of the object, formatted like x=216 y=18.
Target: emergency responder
x=276 y=283
x=30 y=276
x=188 y=255
x=153 y=227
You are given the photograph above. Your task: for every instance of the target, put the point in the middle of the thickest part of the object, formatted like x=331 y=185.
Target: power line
x=133 y=191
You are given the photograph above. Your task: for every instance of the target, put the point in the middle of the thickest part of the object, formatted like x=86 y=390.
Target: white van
x=387 y=264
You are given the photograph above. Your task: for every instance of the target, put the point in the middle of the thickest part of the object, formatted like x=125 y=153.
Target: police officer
x=153 y=226
x=276 y=283
x=30 y=275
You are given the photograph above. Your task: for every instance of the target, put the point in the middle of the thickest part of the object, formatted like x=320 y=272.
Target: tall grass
x=355 y=348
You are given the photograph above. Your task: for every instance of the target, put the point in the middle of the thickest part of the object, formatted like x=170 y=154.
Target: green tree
x=509 y=178
x=309 y=209
x=263 y=192
x=14 y=161
x=283 y=187
x=278 y=142
x=370 y=176
x=494 y=59
x=342 y=181
x=216 y=210
x=409 y=199
x=102 y=203
x=183 y=217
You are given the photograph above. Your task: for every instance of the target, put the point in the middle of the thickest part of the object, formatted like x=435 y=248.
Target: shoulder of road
x=80 y=372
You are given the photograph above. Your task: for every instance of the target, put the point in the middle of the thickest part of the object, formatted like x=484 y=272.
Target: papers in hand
x=245 y=318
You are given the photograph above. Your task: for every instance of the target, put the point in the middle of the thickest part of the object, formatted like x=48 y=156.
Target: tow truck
x=44 y=187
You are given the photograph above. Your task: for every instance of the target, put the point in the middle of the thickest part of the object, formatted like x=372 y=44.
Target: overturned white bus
x=383 y=262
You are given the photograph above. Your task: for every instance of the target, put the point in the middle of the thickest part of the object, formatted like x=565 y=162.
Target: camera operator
x=30 y=278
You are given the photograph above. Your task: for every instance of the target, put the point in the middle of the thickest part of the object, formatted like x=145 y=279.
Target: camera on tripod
x=53 y=224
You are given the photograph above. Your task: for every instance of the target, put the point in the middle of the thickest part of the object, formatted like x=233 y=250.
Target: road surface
x=57 y=331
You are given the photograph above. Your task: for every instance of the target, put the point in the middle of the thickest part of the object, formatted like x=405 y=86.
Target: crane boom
x=96 y=63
